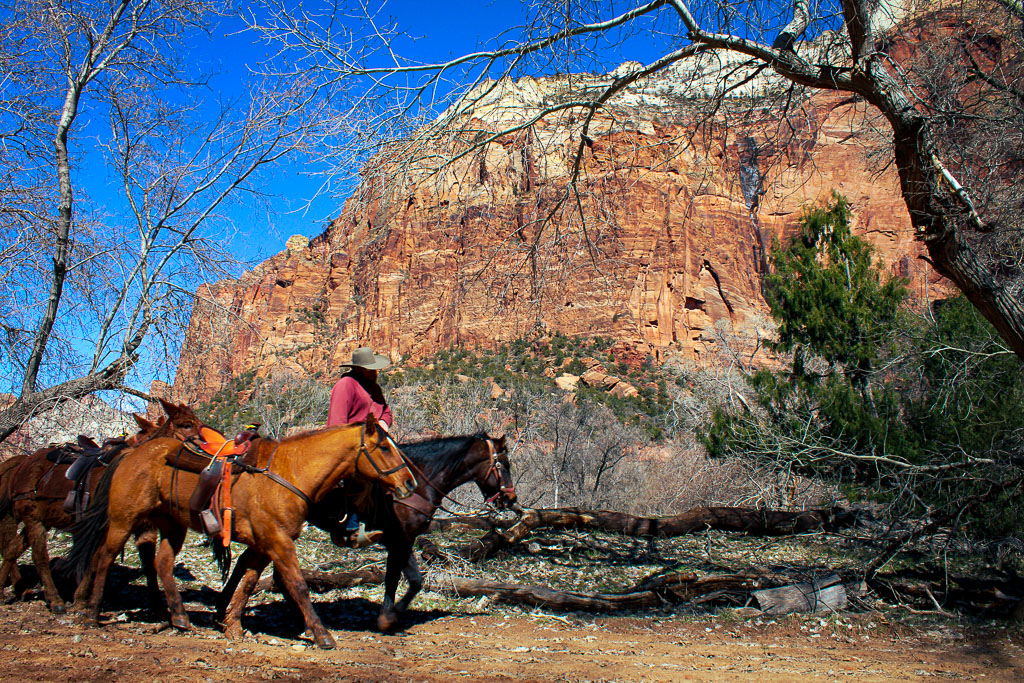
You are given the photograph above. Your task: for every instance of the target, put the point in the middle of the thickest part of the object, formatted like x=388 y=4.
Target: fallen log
x=488 y=522
x=321 y=582
x=992 y=597
x=538 y=596
x=654 y=592
x=748 y=520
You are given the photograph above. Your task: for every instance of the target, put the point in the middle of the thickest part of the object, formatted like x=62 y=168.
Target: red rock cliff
x=665 y=239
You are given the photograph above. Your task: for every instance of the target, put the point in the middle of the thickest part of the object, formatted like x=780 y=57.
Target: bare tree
x=949 y=91
x=95 y=292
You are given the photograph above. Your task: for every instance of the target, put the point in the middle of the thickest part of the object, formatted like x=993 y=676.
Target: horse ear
x=499 y=443
x=144 y=424
x=371 y=424
x=169 y=408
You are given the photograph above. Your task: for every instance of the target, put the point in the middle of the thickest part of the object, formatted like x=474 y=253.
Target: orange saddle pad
x=215 y=443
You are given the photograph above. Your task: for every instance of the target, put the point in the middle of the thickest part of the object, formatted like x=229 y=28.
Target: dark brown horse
x=271 y=500
x=33 y=490
x=441 y=465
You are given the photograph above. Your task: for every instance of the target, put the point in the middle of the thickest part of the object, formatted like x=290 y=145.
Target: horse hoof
x=234 y=632
x=386 y=622
x=59 y=609
x=181 y=623
x=86 y=619
x=325 y=641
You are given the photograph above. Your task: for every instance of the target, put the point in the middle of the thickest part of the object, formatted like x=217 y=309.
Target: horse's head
x=496 y=480
x=181 y=423
x=380 y=459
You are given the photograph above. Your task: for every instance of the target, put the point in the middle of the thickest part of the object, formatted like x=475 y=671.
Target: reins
x=445 y=496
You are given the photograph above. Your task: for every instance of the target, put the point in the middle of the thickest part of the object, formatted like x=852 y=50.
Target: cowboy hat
x=364 y=357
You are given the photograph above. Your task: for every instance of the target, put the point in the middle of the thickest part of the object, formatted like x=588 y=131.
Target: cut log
x=747 y=520
x=825 y=595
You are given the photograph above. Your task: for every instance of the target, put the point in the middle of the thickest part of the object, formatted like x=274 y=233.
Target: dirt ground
x=439 y=646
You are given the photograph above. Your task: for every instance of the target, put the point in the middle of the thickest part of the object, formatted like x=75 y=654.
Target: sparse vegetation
x=920 y=411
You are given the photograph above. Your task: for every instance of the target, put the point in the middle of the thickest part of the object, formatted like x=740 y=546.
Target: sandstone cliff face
x=666 y=239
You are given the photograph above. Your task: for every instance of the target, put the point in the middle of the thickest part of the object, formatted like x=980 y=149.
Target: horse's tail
x=91 y=530
x=222 y=554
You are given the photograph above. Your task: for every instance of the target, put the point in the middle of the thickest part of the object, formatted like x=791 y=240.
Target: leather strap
x=288 y=485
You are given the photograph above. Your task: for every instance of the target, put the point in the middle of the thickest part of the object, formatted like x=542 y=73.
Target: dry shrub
x=577 y=453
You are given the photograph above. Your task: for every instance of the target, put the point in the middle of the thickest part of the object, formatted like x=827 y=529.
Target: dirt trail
x=38 y=646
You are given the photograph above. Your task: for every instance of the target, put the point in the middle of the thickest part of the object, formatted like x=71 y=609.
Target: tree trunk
x=748 y=520
x=25 y=407
x=940 y=217
x=321 y=582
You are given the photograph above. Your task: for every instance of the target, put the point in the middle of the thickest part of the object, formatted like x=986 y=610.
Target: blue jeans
x=353 y=522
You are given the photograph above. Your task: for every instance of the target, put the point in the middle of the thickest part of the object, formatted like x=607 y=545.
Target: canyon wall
x=661 y=243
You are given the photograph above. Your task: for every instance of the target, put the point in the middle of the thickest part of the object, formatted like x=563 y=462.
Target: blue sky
x=437 y=30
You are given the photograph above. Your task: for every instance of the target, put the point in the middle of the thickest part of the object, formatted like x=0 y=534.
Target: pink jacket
x=352 y=402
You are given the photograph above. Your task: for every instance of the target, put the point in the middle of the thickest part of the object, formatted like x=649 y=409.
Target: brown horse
x=33 y=489
x=271 y=499
x=440 y=465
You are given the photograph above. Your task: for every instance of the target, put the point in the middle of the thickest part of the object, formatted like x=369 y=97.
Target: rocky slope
x=662 y=247
x=90 y=416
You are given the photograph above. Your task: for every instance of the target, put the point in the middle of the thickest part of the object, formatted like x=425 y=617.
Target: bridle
x=494 y=469
x=499 y=476
x=364 y=451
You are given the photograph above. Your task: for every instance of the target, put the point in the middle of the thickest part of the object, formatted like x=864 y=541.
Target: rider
x=355 y=396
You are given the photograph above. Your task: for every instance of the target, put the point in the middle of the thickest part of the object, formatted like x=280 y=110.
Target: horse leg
x=290 y=606
x=415 y=578
x=398 y=560
x=282 y=552
x=146 y=543
x=41 y=558
x=237 y=591
x=228 y=589
x=172 y=538
x=90 y=590
x=12 y=545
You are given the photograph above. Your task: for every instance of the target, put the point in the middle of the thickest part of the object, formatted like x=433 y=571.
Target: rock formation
x=90 y=416
x=663 y=247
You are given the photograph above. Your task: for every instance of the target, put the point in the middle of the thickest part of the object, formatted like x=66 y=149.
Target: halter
x=363 y=450
x=509 y=490
x=493 y=469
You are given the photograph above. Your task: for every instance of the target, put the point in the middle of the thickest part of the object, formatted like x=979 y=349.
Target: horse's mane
x=442 y=453
x=310 y=432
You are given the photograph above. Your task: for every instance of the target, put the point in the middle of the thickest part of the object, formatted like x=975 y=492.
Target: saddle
x=82 y=459
x=215 y=459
